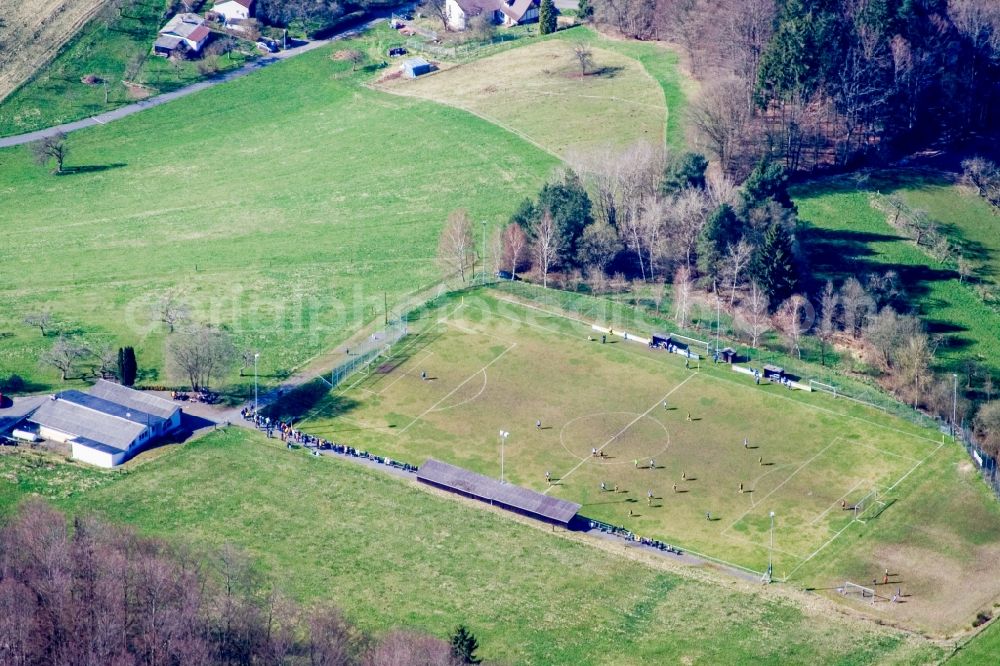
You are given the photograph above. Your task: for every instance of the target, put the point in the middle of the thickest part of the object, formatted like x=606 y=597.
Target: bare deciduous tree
x=828 y=304
x=734 y=266
x=719 y=115
x=171 y=310
x=857 y=306
x=200 y=355
x=515 y=241
x=753 y=314
x=793 y=318
x=437 y=9
x=42 y=320
x=456 y=248
x=584 y=57
x=547 y=246
x=683 y=295
x=52 y=148
x=65 y=355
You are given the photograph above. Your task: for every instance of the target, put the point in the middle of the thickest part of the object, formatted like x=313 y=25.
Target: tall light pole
x=954 y=404
x=503 y=440
x=770 y=552
x=255 y=402
x=718 y=320
x=484 y=252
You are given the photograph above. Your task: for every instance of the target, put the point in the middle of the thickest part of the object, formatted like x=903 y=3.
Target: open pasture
x=656 y=426
x=538 y=92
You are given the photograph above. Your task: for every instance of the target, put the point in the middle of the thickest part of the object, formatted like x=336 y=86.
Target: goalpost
x=820 y=386
x=868 y=507
x=850 y=589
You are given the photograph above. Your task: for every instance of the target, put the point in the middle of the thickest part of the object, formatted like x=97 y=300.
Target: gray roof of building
x=184 y=25
x=415 y=62
x=85 y=422
x=167 y=42
x=136 y=400
x=109 y=408
x=485 y=488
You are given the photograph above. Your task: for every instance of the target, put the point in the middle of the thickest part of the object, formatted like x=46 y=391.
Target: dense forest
x=821 y=84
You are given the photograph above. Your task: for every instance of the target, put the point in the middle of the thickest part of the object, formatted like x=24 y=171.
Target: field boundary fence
x=362 y=356
x=986 y=463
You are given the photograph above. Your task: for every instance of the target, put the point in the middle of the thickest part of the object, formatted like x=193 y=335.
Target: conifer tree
x=547 y=17
x=774 y=265
x=464 y=645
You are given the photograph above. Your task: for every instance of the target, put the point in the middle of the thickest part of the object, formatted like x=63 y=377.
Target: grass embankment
x=282 y=205
x=393 y=554
x=845 y=236
x=115 y=47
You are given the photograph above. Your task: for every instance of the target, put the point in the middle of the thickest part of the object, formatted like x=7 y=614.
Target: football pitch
x=716 y=453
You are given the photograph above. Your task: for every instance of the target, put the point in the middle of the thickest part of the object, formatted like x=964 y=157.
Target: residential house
x=183 y=33
x=501 y=12
x=233 y=11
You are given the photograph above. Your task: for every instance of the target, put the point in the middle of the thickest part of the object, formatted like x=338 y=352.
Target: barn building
x=106 y=425
x=483 y=488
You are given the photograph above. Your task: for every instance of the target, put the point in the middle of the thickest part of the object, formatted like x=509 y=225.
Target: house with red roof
x=501 y=12
x=182 y=33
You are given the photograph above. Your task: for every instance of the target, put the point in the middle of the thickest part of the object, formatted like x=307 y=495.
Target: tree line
x=830 y=83
x=642 y=220
x=97 y=593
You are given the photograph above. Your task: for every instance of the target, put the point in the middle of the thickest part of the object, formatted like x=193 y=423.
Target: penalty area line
x=452 y=392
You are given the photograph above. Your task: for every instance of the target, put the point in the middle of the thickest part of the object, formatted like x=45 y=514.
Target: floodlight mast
x=770 y=554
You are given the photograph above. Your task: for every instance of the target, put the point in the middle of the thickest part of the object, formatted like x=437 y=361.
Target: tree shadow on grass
x=839 y=254
x=311 y=396
x=89 y=168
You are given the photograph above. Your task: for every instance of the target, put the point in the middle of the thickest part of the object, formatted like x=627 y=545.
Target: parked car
x=506 y=275
x=397 y=51
x=267 y=46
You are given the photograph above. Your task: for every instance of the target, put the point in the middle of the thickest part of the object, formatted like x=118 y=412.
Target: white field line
x=836 y=503
x=817 y=551
x=890 y=488
x=914 y=468
x=623 y=430
x=452 y=392
x=416 y=338
x=883 y=452
x=742 y=539
x=425 y=354
x=787 y=479
x=727 y=379
x=486 y=380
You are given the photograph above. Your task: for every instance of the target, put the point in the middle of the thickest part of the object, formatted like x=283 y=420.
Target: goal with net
x=869 y=506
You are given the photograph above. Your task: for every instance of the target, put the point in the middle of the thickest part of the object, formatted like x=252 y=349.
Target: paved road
x=129 y=109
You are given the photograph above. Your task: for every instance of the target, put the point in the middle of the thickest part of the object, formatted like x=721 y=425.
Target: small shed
x=774 y=373
x=660 y=341
x=728 y=355
x=414 y=67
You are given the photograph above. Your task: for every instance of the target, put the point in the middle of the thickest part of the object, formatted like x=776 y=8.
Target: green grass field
x=494 y=365
x=282 y=205
x=981 y=651
x=536 y=90
x=845 y=236
x=392 y=553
